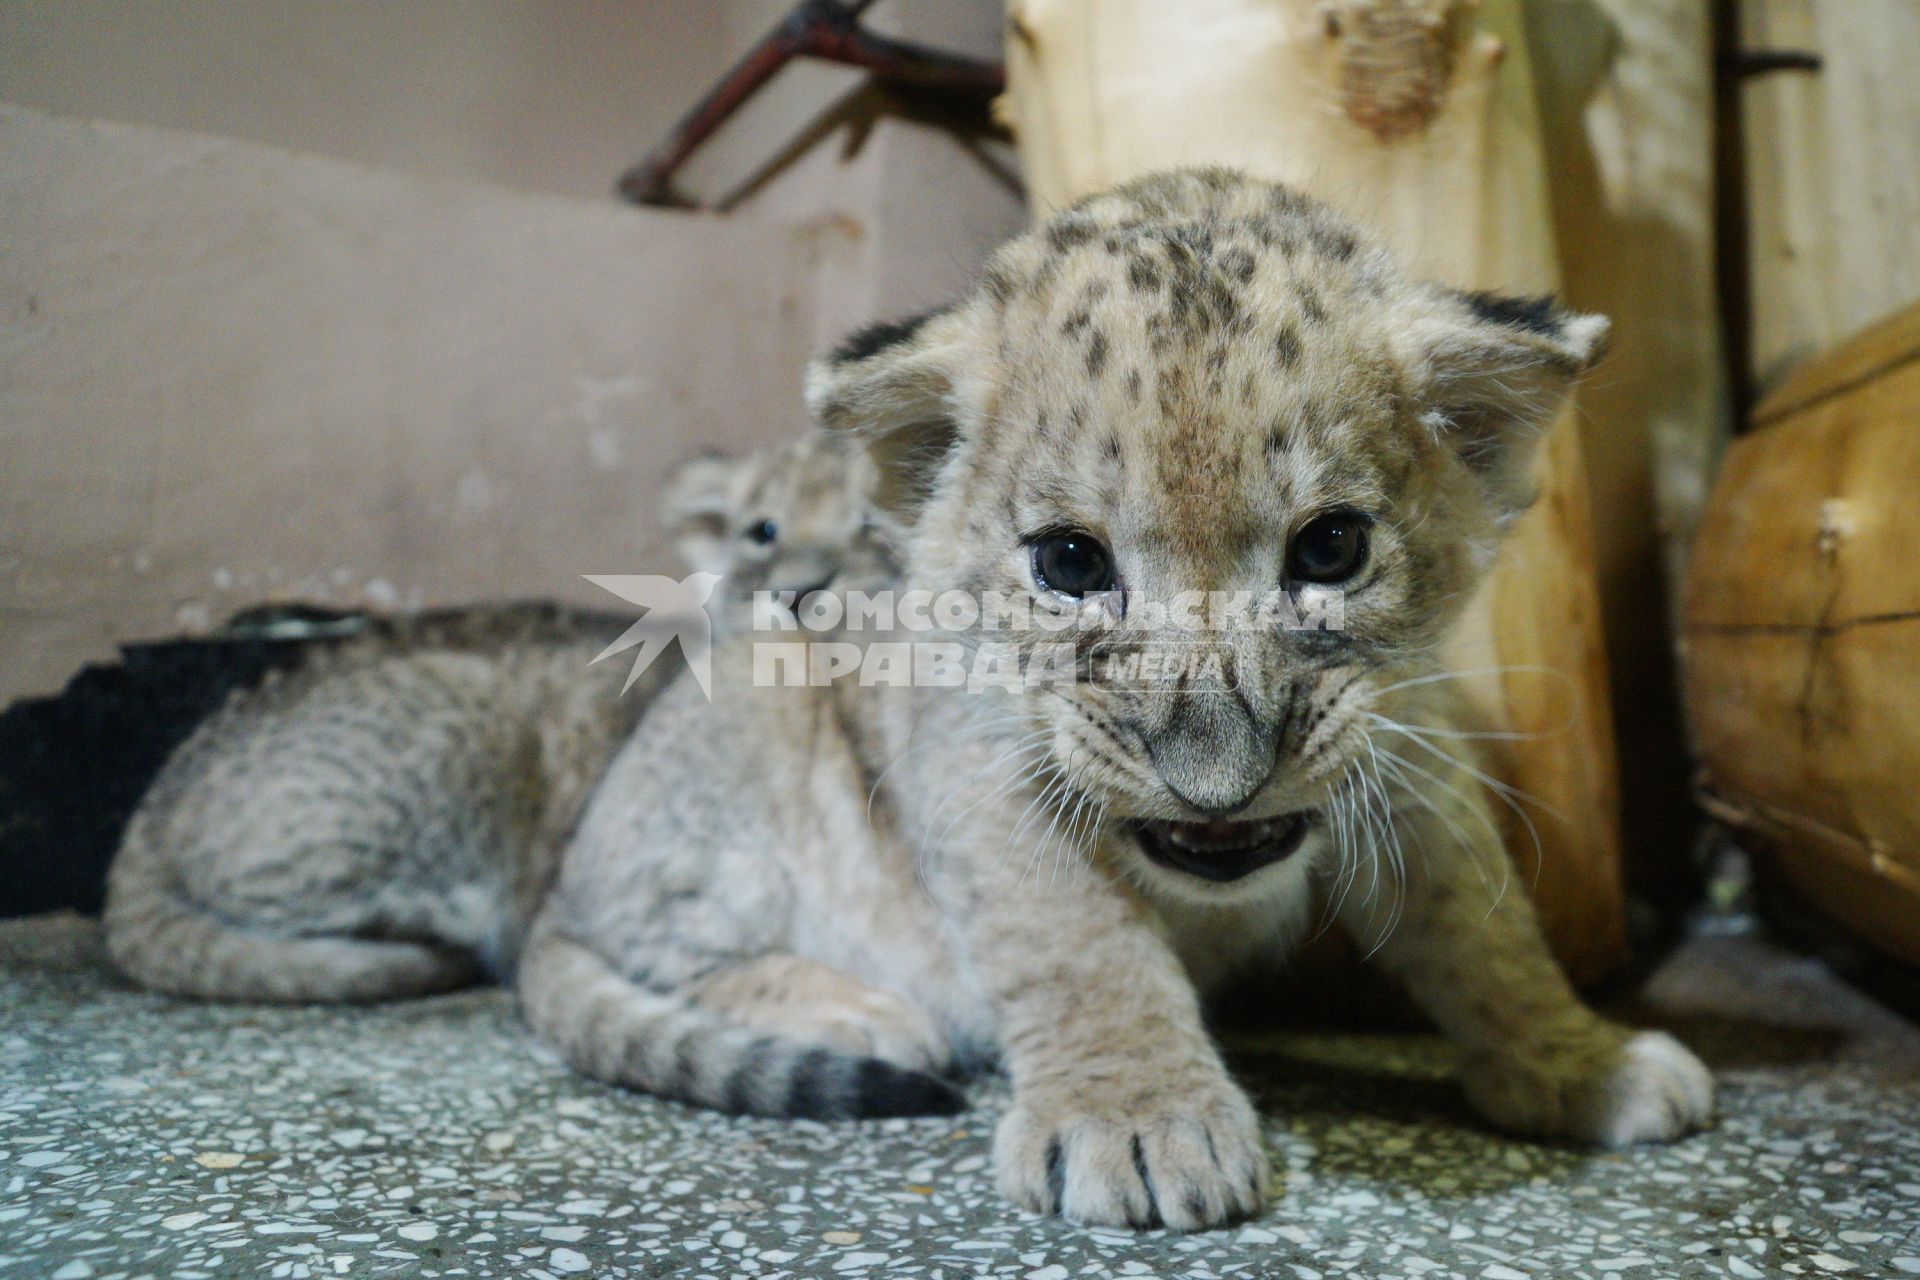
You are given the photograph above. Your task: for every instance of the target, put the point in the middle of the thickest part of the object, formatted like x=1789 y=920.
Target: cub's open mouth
x=1222 y=851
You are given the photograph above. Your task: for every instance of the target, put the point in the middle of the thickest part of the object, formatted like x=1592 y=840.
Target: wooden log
x=1802 y=635
x=1417 y=117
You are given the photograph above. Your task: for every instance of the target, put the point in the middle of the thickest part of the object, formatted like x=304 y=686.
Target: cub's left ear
x=1492 y=372
x=901 y=389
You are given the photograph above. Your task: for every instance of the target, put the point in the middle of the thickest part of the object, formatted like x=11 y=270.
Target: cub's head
x=1202 y=383
x=791 y=518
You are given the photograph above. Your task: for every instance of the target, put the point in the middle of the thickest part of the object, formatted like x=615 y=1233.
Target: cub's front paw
x=1184 y=1158
x=1613 y=1089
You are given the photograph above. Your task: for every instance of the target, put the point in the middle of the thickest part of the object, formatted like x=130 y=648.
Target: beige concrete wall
x=551 y=97
x=544 y=97
x=229 y=373
x=540 y=96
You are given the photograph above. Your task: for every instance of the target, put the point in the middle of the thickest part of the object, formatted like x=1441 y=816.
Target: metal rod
x=1760 y=62
x=826 y=29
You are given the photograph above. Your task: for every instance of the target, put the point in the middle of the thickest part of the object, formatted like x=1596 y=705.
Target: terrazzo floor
x=140 y=1136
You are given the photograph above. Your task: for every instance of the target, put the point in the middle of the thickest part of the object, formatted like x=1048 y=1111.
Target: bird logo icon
x=675 y=609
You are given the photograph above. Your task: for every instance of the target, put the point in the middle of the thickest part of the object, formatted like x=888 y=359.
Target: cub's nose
x=802 y=591
x=1219 y=804
x=1211 y=753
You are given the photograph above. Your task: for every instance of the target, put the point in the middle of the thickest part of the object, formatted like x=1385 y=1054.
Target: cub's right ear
x=902 y=388
x=698 y=502
x=1492 y=371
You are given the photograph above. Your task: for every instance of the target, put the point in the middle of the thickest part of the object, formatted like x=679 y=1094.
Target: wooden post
x=1417 y=117
x=1626 y=94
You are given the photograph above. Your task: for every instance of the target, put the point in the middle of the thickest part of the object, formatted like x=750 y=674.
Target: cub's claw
x=1189 y=1163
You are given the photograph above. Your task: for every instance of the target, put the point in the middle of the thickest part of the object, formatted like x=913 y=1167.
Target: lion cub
x=384 y=819
x=819 y=900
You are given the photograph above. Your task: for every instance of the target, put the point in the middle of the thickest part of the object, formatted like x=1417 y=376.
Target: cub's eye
x=1074 y=564
x=1329 y=548
x=763 y=533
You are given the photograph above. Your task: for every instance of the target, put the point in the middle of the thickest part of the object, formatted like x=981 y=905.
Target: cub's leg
x=1123 y=1113
x=1467 y=945
x=806 y=1001
x=774 y=1035
x=166 y=942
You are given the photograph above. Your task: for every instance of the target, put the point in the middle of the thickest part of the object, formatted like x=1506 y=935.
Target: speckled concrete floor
x=141 y=1136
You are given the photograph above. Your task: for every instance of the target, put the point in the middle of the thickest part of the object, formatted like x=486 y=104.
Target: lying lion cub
x=384 y=818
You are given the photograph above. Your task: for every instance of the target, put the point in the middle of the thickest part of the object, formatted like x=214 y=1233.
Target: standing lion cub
x=816 y=901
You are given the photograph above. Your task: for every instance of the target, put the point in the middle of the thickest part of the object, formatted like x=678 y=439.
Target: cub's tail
x=165 y=942
x=608 y=1028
